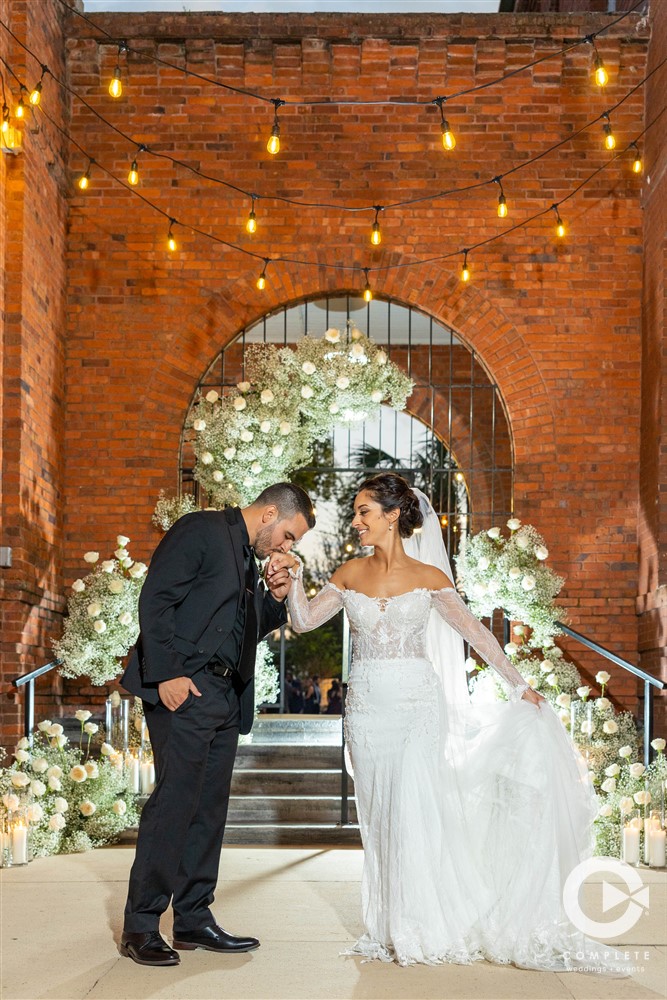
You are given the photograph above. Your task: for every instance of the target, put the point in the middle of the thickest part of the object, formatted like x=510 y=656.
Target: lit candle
x=648 y=827
x=147 y=777
x=20 y=844
x=656 y=857
x=631 y=843
x=132 y=765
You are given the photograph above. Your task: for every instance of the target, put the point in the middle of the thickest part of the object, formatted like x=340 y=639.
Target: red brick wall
x=32 y=244
x=557 y=327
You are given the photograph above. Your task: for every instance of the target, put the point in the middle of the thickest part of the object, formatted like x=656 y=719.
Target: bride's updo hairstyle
x=391 y=491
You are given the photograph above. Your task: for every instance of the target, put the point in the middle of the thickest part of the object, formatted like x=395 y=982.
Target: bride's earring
x=391 y=527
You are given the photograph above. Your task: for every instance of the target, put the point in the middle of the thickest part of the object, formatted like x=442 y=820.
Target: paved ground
x=61 y=919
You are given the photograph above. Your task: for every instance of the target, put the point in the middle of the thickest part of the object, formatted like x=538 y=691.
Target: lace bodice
x=396 y=627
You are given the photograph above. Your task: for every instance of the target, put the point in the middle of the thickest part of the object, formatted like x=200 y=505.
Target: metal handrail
x=649 y=681
x=28 y=681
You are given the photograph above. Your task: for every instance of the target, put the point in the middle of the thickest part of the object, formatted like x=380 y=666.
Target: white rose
x=610 y=727
x=23 y=743
x=207 y=458
x=602 y=704
x=127 y=562
x=563 y=700
x=514 y=573
x=636 y=770
x=494 y=586
x=642 y=798
x=239 y=403
x=307 y=392
x=119 y=807
x=493 y=533
x=212 y=396
x=657 y=744
x=199 y=424
x=587 y=728
x=376 y=396
x=564 y=717
x=267 y=396
x=99 y=626
x=541 y=552
x=256 y=468
x=471 y=665
x=342 y=382
x=108 y=565
x=605 y=811
x=334 y=408
x=91 y=557
x=10 y=801
x=20 y=780
x=106 y=749
x=229 y=453
x=522 y=542
x=116 y=586
x=514 y=524
x=608 y=785
x=528 y=582
x=87 y=808
x=94 y=609
x=332 y=335
x=90 y=728
x=626 y=804
x=511 y=648
x=602 y=677
x=138 y=570
x=22 y=756
x=356 y=333
x=479 y=589
x=61 y=805
x=519 y=630
x=122 y=540
x=35 y=813
x=78 y=586
x=246 y=436
x=125 y=618
x=357 y=351
x=57 y=822
x=44 y=726
x=120 y=553
x=285 y=427
x=55 y=729
x=82 y=715
x=381 y=358
x=583 y=692
x=58 y=741
x=546 y=666
x=483 y=563
x=78 y=773
x=248 y=481
x=277 y=450
x=55 y=784
x=40 y=765
x=308 y=368
x=265 y=426
x=552 y=680
x=38 y=788
x=92 y=770
x=625 y=751
x=532 y=681
x=54 y=771
x=612 y=771
x=243 y=386
x=218 y=476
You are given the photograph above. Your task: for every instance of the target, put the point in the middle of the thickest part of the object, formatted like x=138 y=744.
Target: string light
x=368 y=292
x=465 y=270
x=273 y=145
x=116 y=85
x=502 y=200
x=637 y=164
x=133 y=176
x=36 y=92
x=448 y=137
x=20 y=108
x=609 y=138
x=376 y=235
x=560 y=225
x=261 y=281
x=251 y=224
x=171 y=241
x=599 y=72
x=84 y=179
x=5 y=118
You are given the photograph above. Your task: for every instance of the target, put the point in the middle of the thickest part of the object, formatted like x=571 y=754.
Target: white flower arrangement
x=86 y=803
x=103 y=619
x=266 y=427
x=169 y=509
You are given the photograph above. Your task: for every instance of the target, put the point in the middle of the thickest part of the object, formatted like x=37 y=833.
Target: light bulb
x=133 y=176
x=376 y=235
x=273 y=145
x=448 y=139
x=609 y=138
x=5 y=118
x=171 y=242
x=83 y=181
x=36 y=94
x=261 y=282
x=502 y=206
x=560 y=229
x=368 y=294
x=443 y=520
x=20 y=108
x=637 y=165
x=116 y=85
x=465 y=273
x=251 y=224
x=601 y=75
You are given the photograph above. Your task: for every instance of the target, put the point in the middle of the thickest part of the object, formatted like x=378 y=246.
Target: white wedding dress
x=470 y=820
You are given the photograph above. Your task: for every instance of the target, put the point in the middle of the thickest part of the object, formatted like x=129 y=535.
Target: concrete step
x=293 y=835
x=281 y=809
x=287 y=757
x=270 y=781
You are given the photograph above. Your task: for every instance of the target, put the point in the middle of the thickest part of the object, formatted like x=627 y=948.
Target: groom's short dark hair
x=290 y=500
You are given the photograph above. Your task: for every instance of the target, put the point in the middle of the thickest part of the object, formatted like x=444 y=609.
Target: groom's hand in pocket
x=174 y=692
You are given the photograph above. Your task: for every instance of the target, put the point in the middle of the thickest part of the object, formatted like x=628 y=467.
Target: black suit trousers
x=183 y=821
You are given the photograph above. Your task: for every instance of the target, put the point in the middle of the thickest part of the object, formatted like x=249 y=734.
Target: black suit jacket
x=188 y=604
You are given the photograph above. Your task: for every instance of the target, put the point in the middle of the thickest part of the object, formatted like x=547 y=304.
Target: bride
x=471 y=816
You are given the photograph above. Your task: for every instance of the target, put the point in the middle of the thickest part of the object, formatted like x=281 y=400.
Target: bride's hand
x=277 y=578
x=280 y=561
x=532 y=696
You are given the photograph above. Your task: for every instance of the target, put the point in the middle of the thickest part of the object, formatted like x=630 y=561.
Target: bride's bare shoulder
x=432 y=577
x=345 y=576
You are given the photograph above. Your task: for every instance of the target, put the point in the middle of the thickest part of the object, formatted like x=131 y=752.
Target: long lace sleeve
x=449 y=606
x=307 y=615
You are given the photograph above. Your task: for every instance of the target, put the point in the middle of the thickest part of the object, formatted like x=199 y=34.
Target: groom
x=202 y=610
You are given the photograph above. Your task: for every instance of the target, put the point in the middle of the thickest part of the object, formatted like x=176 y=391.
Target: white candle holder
x=631 y=831
x=117 y=722
x=19 y=837
x=656 y=837
x=5 y=840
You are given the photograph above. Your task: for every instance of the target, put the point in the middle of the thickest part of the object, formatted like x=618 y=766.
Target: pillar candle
x=147 y=777
x=630 y=844
x=20 y=844
x=656 y=857
x=132 y=764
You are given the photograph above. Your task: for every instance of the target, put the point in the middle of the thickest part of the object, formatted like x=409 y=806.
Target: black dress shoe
x=148 y=949
x=213 y=938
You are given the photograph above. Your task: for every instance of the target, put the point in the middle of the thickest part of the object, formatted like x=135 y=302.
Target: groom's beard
x=263 y=546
